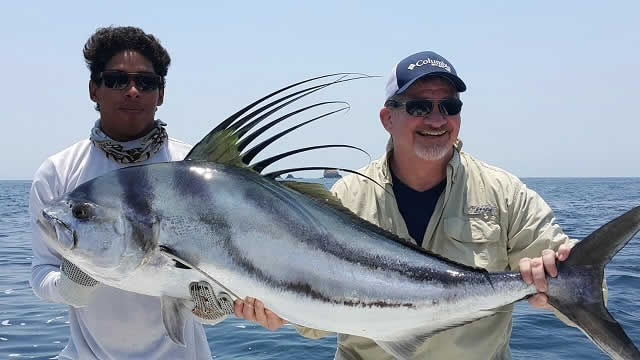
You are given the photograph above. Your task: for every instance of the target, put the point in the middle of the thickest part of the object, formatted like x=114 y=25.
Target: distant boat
x=331 y=173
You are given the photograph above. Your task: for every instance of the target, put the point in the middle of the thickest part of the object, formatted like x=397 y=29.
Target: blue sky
x=552 y=86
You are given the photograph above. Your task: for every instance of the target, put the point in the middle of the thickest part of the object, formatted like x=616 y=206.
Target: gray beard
x=431 y=153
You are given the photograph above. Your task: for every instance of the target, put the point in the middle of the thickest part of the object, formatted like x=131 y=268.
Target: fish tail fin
x=577 y=291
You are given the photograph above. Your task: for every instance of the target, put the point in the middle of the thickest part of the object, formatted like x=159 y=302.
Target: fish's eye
x=81 y=211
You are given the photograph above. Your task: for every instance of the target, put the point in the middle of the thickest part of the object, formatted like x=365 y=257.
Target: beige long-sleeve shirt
x=485 y=218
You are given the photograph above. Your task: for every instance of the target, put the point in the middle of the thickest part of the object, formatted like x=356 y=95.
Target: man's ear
x=160 y=96
x=385 y=118
x=93 y=88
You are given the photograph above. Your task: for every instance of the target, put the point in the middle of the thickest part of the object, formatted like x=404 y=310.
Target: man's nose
x=132 y=90
x=435 y=118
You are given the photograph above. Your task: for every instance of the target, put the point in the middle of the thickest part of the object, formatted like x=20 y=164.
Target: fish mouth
x=60 y=231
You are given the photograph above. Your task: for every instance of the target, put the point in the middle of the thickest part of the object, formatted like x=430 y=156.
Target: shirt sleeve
x=45 y=266
x=311 y=333
x=340 y=189
x=533 y=228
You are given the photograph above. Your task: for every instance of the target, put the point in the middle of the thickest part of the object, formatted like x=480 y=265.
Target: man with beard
x=446 y=201
x=128 y=69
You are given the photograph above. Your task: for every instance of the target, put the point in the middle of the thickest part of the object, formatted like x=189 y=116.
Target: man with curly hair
x=128 y=69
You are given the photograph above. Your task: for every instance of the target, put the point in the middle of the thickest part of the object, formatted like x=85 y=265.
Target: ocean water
x=33 y=329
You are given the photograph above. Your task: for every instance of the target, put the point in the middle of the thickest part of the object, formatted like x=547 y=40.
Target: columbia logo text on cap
x=428 y=61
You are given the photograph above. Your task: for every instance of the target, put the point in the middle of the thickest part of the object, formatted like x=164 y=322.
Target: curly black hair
x=109 y=41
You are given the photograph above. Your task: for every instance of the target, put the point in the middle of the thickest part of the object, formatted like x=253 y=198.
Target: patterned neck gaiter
x=130 y=151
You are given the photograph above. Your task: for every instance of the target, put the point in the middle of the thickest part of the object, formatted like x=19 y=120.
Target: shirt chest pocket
x=475 y=242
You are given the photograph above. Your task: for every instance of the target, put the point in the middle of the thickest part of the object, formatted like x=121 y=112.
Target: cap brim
x=457 y=82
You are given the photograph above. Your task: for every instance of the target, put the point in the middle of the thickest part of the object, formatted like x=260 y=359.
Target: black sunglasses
x=119 y=80
x=424 y=107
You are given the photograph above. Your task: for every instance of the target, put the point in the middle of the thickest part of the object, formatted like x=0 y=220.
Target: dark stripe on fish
x=327 y=243
x=302 y=287
x=139 y=196
x=222 y=228
x=138 y=189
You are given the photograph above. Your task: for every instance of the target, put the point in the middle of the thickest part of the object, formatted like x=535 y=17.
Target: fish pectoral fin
x=174 y=315
x=404 y=346
x=177 y=261
x=184 y=264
